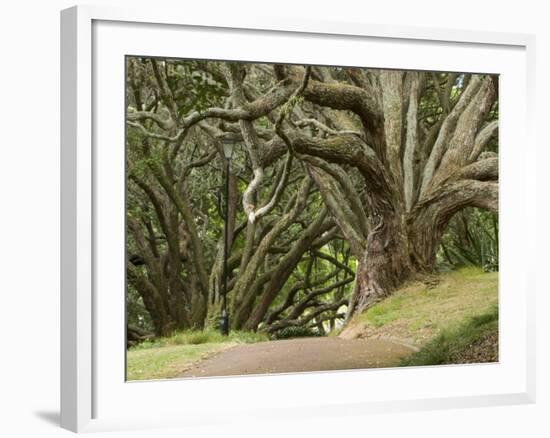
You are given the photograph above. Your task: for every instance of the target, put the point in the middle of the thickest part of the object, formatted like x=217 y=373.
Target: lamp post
x=224 y=318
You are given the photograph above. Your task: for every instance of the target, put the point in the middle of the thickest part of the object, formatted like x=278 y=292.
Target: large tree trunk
x=414 y=183
x=397 y=249
x=383 y=266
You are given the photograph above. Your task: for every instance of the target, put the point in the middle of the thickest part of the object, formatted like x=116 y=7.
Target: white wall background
x=29 y=218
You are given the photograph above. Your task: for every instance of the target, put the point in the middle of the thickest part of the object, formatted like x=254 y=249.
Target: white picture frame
x=91 y=387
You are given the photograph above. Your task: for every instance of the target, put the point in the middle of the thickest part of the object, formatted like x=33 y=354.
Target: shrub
x=295 y=332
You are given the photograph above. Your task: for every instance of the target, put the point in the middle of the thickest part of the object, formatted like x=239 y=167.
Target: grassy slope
x=451 y=321
x=473 y=341
x=169 y=357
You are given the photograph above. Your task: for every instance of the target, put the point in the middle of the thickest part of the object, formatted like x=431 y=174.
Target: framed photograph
x=325 y=213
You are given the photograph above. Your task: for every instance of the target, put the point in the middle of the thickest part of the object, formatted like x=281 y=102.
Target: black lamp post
x=224 y=318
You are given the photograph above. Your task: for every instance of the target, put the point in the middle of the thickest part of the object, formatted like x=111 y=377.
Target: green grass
x=167 y=362
x=198 y=337
x=475 y=340
x=168 y=357
x=418 y=313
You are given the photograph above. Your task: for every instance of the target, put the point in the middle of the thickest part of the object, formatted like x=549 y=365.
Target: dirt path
x=303 y=354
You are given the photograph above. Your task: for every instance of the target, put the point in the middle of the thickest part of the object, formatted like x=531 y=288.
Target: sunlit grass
x=169 y=357
x=167 y=362
x=419 y=312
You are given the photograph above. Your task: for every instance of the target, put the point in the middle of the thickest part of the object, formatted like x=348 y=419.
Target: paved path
x=302 y=354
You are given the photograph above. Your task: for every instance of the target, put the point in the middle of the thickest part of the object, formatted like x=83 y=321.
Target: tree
x=382 y=159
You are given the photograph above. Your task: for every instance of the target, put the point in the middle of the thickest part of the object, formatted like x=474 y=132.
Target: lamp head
x=228 y=145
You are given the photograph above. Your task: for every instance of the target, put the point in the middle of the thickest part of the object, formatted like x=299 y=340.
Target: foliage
x=470 y=240
x=137 y=315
